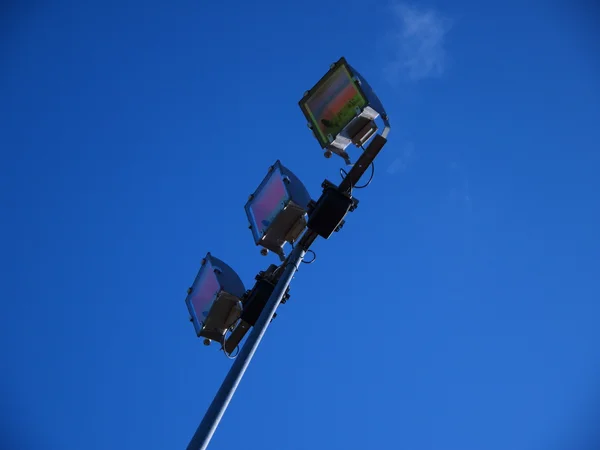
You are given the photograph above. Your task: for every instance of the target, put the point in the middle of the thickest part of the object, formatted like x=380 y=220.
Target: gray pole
x=217 y=408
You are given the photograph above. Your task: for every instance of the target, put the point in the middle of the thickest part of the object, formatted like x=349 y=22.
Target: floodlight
x=341 y=109
x=277 y=209
x=214 y=299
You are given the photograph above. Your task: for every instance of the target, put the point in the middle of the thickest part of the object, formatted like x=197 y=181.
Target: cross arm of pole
x=243 y=327
x=307 y=239
x=349 y=181
x=363 y=163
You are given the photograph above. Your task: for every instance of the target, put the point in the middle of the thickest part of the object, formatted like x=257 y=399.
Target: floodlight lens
x=267 y=203
x=204 y=292
x=334 y=104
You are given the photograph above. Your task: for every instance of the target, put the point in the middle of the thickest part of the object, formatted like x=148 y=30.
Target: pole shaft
x=217 y=408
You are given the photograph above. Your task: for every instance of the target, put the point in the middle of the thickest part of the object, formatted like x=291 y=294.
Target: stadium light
x=277 y=210
x=341 y=110
x=214 y=299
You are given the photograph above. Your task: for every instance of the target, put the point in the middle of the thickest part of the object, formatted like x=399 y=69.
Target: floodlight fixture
x=277 y=210
x=341 y=110
x=214 y=299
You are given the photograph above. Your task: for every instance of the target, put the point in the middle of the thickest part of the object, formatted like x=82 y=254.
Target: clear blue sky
x=131 y=135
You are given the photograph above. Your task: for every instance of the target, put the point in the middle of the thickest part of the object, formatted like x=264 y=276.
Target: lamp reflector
x=268 y=203
x=204 y=292
x=332 y=104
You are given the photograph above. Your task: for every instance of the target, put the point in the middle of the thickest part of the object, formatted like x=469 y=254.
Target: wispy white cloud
x=401 y=162
x=418 y=43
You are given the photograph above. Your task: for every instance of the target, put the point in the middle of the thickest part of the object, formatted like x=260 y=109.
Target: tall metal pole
x=217 y=408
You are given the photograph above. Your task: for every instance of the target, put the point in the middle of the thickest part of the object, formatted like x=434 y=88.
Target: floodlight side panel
x=298 y=192
x=228 y=278
x=372 y=97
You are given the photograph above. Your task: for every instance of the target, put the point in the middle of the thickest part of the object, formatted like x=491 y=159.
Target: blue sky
x=457 y=309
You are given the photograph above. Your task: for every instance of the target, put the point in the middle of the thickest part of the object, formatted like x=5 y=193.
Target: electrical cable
x=312 y=260
x=228 y=329
x=344 y=174
x=229 y=355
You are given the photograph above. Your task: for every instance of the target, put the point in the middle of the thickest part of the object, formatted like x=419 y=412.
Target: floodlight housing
x=277 y=209
x=214 y=299
x=341 y=110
